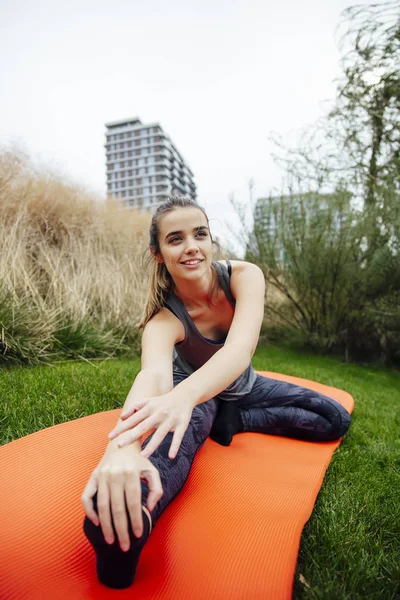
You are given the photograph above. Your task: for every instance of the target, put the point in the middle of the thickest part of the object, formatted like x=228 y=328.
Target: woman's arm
x=148 y=382
x=155 y=378
x=248 y=288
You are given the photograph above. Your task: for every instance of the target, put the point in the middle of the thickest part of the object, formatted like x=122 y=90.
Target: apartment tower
x=143 y=165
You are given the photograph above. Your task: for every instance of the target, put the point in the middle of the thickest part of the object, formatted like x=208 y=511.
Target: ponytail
x=159 y=286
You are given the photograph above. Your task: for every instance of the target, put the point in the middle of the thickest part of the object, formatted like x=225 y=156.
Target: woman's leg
x=116 y=568
x=174 y=473
x=281 y=408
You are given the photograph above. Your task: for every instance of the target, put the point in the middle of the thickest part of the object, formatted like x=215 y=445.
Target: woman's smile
x=192 y=263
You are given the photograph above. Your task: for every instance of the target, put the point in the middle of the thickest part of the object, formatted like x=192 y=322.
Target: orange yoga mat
x=233 y=533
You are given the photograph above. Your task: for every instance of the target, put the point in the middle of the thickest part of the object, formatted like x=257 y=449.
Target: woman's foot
x=116 y=568
x=227 y=422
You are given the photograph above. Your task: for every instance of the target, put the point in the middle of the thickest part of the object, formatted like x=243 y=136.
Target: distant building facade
x=273 y=216
x=143 y=165
x=308 y=205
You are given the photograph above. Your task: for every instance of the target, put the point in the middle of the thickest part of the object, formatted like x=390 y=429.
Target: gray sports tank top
x=195 y=350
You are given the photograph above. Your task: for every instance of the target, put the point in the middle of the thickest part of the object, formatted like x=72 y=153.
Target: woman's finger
x=103 y=506
x=176 y=441
x=131 y=409
x=127 y=412
x=133 y=494
x=120 y=517
x=138 y=432
x=87 y=499
x=152 y=477
x=134 y=420
x=155 y=440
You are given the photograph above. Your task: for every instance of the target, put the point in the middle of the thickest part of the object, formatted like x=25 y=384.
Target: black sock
x=116 y=568
x=227 y=422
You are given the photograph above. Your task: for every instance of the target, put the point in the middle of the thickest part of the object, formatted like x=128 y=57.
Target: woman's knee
x=335 y=416
x=346 y=420
x=203 y=417
x=340 y=425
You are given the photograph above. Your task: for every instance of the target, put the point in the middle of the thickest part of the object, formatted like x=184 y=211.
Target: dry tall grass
x=71 y=279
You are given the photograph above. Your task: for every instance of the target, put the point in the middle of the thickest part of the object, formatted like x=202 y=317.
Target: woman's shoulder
x=166 y=321
x=239 y=266
x=245 y=275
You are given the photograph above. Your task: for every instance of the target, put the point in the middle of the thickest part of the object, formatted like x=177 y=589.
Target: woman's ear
x=157 y=257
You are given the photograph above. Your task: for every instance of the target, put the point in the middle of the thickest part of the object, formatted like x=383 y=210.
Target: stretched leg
x=174 y=473
x=116 y=568
x=281 y=408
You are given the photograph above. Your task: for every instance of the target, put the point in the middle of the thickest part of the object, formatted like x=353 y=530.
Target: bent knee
x=341 y=425
x=346 y=420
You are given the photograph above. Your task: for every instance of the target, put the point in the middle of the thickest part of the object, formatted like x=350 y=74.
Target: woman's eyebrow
x=200 y=227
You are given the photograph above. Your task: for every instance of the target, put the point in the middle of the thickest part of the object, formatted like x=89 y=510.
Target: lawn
x=350 y=546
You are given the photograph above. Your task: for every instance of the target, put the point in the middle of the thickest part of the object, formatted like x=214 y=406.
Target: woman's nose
x=191 y=245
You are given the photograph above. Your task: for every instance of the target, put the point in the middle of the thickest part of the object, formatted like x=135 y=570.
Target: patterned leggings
x=273 y=407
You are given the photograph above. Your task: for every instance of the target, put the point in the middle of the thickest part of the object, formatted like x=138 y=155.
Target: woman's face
x=185 y=243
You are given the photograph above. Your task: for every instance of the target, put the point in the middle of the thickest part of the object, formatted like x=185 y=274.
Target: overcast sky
x=217 y=76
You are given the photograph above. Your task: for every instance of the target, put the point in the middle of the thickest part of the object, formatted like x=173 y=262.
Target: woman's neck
x=197 y=292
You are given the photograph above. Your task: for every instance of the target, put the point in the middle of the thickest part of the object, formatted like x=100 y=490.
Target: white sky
x=217 y=76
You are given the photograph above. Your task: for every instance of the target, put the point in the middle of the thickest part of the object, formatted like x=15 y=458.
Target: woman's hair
x=160 y=280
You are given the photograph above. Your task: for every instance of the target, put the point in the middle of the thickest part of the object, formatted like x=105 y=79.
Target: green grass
x=350 y=546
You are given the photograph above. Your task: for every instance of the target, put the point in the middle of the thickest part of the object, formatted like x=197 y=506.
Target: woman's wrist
x=113 y=445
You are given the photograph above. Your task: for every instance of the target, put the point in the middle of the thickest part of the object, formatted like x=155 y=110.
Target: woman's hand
x=117 y=477
x=165 y=413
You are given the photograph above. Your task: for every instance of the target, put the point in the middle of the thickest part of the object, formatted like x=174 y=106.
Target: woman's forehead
x=181 y=219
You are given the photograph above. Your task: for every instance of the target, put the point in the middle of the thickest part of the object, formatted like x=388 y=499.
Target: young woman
x=201 y=325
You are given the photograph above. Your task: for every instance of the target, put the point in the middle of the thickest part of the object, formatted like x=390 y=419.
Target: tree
x=367 y=111
x=337 y=266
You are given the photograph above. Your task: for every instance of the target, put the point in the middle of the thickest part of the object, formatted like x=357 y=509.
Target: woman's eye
x=174 y=239
x=202 y=233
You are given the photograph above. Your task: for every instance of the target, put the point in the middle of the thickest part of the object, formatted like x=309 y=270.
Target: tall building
x=143 y=165
x=275 y=215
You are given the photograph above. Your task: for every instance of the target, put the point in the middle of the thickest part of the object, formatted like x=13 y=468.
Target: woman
x=205 y=316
